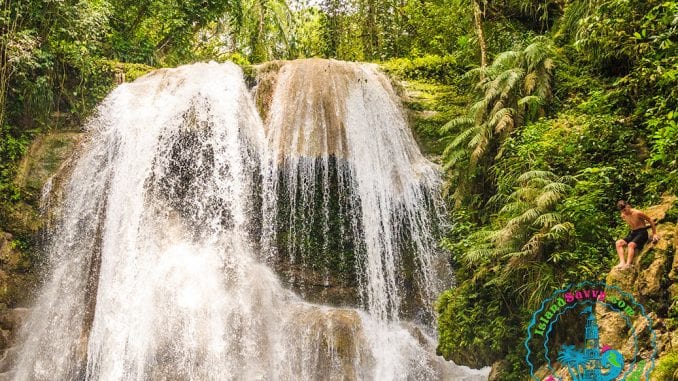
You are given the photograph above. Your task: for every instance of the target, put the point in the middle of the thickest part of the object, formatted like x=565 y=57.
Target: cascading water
x=158 y=271
x=344 y=160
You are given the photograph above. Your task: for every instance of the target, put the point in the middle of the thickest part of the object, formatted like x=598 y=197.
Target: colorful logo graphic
x=591 y=360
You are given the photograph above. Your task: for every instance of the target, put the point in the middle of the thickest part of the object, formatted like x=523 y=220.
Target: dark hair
x=621 y=204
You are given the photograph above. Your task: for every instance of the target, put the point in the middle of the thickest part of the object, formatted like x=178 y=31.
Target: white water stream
x=159 y=259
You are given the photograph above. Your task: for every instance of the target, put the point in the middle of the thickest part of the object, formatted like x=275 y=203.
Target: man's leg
x=632 y=251
x=620 y=251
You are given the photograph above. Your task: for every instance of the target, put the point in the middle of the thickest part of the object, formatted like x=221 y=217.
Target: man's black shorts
x=639 y=236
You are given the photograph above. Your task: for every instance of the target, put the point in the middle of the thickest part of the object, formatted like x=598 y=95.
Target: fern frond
x=548 y=220
x=506 y=59
x=530 y=100
x=538 y=51
x=548 y=199
x=529 y=83
x=464 y=136
x=536 y=174
x=558 y=187
x=456 y=123
x=513 y=208
x=527 y=217
x=453 y=158
x=478 y=110
x=505 y=120
x=563 y=229
x=480 y=148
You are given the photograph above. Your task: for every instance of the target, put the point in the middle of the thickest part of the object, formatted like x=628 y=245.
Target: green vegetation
x=559 y=130
x=542 y=113
x=667 y=369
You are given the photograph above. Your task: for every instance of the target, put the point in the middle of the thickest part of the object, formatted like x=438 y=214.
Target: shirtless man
x=637 y=238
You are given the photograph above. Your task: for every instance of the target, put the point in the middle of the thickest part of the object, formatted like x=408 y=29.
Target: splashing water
x=157 y=271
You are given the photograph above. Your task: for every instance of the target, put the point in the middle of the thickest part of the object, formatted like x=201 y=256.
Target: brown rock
x=8 y=359
x=622 y=278
x=13 y=318
x=649 y=279
x=612 y=329
x=499 y=370
x=10 y=258
x=5 y=337
x=657 y=212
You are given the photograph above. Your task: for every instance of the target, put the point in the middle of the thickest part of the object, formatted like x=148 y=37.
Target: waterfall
x=336 y=132
x=163 y=260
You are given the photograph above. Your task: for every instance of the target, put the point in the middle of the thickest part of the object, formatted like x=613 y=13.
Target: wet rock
x=44 y=158
x=5 y=337
x=266 y=80
x=315 y=287
x=15 y=277
x=13 y=318
x=649 y=280
x=22 y=219
x=335 y=338
x=8 y=359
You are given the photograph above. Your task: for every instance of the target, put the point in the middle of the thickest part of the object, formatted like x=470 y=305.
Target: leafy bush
x=443 y=69
x=11 y=150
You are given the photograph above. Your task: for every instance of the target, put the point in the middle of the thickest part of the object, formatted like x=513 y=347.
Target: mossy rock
x=44 y=157
x=16 y=278
x=264 y=77
x=429 y=107
x=22 y=220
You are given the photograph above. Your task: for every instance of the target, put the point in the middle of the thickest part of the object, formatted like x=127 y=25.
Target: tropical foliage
x=534 y=187
x=512 y=91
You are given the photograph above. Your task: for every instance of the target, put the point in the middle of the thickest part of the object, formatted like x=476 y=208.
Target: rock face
x=20 y=226
x=652 y=282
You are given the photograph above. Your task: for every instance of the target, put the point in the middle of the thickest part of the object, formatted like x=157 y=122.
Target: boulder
x=652 y=282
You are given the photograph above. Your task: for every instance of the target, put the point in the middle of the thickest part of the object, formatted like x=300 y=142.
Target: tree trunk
x=7 y=30
x=478 y=21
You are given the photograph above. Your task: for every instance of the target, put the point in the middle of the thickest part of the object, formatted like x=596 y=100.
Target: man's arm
x=647 y=218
